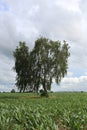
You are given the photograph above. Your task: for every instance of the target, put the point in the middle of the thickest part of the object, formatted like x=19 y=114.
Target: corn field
x=61 y=111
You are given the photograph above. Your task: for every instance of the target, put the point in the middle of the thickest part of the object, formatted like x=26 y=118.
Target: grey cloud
x=9 y=34
x=27 y=20
x=7 y=74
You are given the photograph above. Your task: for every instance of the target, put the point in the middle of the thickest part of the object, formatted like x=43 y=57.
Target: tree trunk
x=23 y=90
x=44 y=85
x=20 y=91
x=45 y=90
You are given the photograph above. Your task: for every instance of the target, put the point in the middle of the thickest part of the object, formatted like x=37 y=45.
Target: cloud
x=7 y=75
x=69 y=5
x=57 y=20
x=4 y=88
x=75 y=83
x=69 y=74
x=71 y=84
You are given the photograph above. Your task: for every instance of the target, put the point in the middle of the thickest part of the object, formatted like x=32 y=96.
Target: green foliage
x=48 y=60
x=21 y=55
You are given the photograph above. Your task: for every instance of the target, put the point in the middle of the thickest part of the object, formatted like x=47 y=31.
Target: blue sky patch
x=77 y=72
x=3 y=7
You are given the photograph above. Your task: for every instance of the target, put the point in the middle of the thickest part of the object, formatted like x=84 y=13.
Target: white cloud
x=72 y=5
x=5 y=88
x=69 y=74
x=72 y=84
x=75 y=83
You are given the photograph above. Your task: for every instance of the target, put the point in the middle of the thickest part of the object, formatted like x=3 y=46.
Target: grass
x=27 y=111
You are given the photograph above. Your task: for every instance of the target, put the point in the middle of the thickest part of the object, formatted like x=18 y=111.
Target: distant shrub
x=13 y=91
x=43 y=93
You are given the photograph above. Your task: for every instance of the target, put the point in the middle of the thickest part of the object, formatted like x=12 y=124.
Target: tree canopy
x=21 y=55
x=48 y=60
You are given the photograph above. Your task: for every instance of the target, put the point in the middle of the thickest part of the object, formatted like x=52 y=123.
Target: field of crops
x=61 y=111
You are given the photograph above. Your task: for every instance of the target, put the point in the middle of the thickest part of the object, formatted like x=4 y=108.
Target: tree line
x=47 y=61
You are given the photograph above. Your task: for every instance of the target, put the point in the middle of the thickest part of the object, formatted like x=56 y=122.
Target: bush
x=43 y=93
x=13 y=91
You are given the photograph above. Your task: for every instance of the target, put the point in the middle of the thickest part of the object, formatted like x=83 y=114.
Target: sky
x=26 y=20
